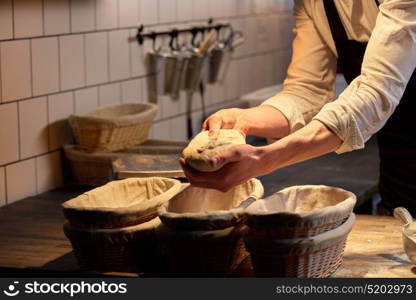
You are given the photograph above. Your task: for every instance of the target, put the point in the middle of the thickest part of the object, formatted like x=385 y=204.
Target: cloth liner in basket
x=127 y=249
x=318 y=256
x=120 y=203
x=202 y=229
x=113 y=127
x=300 y=211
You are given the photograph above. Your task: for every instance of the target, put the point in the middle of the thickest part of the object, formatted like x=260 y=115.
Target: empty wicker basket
x=316 y=257
x=202 y=229
x=120 y=203
x=299 y=211
x=128 y=249
x=113 y=127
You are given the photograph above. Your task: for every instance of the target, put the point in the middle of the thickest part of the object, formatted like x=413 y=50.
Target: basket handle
x=403 y=215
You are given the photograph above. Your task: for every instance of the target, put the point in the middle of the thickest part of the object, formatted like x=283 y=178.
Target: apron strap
x=335 y=23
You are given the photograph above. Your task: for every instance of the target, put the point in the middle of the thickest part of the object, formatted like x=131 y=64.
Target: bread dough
x=202 y=148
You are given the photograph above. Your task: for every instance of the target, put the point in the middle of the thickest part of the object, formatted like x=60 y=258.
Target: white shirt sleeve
x=390 y=59
x=310 y=81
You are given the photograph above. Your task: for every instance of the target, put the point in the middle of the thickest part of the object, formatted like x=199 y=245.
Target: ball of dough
x=202 y=148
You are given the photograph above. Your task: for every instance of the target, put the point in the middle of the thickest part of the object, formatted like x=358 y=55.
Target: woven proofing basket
x=120 y=203
x=202 y=229
x=113 y=127
x=202 y=252
x=128 y=249
x=313 y=257
x=299 y=211
x=90 y=169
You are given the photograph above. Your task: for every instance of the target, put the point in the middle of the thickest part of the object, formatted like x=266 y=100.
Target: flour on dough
x=202 y=148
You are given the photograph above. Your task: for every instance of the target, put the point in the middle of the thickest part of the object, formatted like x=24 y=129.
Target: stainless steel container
x=168 y=69
x=219 y=63
x=196 y=68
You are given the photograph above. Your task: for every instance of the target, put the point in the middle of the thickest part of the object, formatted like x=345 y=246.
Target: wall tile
x=106 y=14
x=167 y=11
x=169 y=106
x=119 y=55
x=28 y=18
x=184 y=10
x=9 y=133
x=72 y=61
x=232 y=82
x=145 y=91
x=48 y=172
x=161 y=130
x=128 y=13
x=20 y=180
x=149 y=12
x=82 y=15
x=45 y=65
x=60 y=107
x=86 y=99
x=96 y=48
x=246 y=76
x=131 y=91
x=33 y=122
x=217 y=8
x=56 y=16
x=196 y=122
x=109 y=94
x=2 y=187
x=6 y=20
x=200 y=9
x=15 y=70
x=243 y=7
x=178 y=129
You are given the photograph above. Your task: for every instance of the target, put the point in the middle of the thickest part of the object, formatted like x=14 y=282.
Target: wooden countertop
x=32 y=243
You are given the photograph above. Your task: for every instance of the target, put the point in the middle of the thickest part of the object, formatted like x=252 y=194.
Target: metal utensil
x=408 y=232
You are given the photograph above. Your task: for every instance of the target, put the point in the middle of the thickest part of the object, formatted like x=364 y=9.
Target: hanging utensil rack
x=141 y=36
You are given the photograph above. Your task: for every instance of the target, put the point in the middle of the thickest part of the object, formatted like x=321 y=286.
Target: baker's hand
x=231 y=118
x=239 y=164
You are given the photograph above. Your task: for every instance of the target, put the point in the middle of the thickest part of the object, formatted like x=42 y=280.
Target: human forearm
x=243 y=162
x=311 y=141
x=266 y=121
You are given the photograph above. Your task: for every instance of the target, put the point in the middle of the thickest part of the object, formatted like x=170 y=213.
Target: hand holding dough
x=202 y=148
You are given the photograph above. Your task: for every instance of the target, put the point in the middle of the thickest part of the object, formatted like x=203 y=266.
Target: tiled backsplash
x=58 y=57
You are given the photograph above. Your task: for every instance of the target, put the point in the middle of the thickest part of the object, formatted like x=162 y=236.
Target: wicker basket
x=202 y=232
x=95 y=169
x=313 y=257
x=299 y=211
x=201 y=253
x=113 y=127
x=120 y=203
x=128 y=249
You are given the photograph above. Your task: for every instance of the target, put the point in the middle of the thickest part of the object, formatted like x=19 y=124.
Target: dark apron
x=397 y=139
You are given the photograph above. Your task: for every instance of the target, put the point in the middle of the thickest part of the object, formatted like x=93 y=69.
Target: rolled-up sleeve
x=310 y=82
x=390 y=59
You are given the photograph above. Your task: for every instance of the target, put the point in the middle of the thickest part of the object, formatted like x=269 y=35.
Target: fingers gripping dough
x=202 y=148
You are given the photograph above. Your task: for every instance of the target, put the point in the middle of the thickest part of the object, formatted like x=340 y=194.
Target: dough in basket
x=202 y=148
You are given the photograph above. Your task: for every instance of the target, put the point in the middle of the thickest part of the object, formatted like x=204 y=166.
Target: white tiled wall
x=58 y=57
